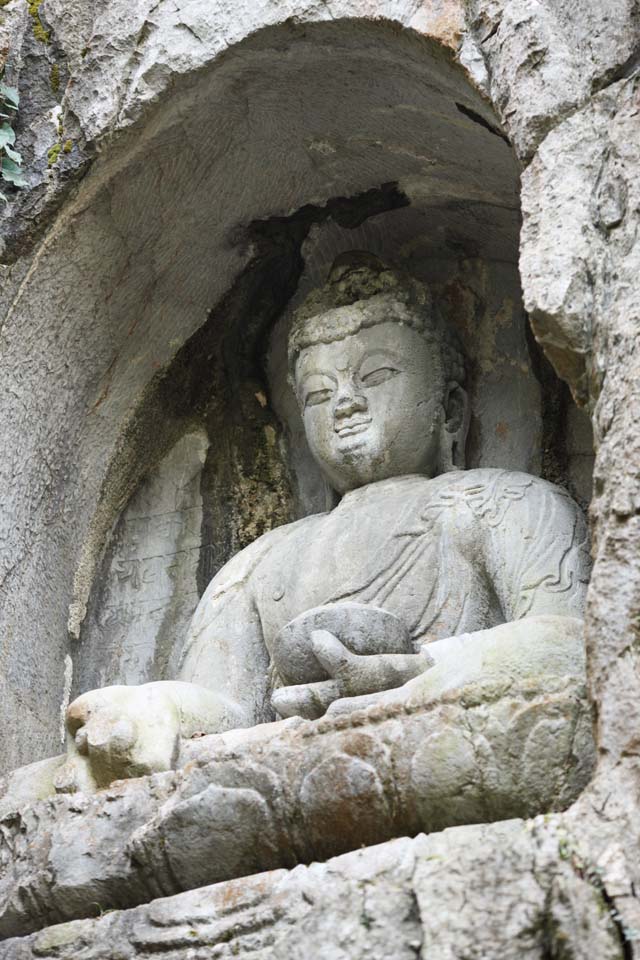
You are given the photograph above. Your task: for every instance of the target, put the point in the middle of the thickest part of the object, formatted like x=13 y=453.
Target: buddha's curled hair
x=376 y=293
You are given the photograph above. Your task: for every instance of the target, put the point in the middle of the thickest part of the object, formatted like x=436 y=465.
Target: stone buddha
x=424 y=578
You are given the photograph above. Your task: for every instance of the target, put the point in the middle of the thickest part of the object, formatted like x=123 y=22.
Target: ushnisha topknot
x=373 y=292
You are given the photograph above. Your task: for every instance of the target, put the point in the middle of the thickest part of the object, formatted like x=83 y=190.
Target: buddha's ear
x=454 y=428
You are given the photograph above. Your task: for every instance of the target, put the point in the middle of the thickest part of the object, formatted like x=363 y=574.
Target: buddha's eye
x=316 y=397
x=379 y=375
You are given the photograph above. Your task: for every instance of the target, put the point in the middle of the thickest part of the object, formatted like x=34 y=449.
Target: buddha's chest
x=396 y=554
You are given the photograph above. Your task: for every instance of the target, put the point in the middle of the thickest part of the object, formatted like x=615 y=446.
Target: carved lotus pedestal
x=291 y=793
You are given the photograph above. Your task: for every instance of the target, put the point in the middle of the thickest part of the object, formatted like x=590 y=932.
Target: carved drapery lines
x=487 y=501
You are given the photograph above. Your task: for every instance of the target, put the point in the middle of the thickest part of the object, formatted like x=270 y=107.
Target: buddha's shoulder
x=497 y=480
x=492 y=496
x=264 y=551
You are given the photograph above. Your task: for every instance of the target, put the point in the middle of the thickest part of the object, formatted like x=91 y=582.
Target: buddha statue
x=424 y=578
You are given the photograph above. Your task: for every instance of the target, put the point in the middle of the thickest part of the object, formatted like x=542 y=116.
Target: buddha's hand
x=117 y=733
x=351 y=675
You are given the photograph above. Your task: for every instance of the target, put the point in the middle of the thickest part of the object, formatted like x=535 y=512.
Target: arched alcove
x=168 y=274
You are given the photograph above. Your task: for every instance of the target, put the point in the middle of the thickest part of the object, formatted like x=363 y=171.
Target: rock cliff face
x=177 y=158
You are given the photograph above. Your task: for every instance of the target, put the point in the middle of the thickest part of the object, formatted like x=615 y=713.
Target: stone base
x=300 y=794
x=513 y=890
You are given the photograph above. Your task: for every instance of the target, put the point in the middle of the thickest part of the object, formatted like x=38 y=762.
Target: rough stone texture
x=580 y=194
x=125 y=272
x=583 y=241
x=148 y=588
x=545 y=57
x=114 y=60
x=541 y=72
x=486 y=753
x=514 y=891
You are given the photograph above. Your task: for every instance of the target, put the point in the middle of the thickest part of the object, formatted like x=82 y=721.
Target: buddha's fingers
x=331 y=653
x=349 y=704
x=307 y=700
x=358 y=674
x=73 y=775
x=82 y=708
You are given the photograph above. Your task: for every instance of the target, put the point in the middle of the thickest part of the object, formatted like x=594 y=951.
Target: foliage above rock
x=10 y=159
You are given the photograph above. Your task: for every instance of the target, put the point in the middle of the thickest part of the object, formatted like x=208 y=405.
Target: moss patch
x=39 y=31
x=67 y=146
x=53 y=153
x=54 y=78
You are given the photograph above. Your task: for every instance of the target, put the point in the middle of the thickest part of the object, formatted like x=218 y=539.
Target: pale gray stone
x=478 y=892
x=545 y=57
x=417 y=553
x=481 y=299
x=135 y=302
x=445 y=602
x=364 y=625
x=148 y=588
x=585 y=166
x=303 y=792
x=539 y=71
x=590 y=321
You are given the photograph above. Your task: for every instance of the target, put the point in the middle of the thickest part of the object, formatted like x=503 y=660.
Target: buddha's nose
x=349 y=401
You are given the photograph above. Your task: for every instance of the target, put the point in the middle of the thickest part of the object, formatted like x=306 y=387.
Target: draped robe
x=458 y=553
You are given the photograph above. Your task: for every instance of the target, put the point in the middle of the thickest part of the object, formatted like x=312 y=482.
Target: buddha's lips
x=352 y=427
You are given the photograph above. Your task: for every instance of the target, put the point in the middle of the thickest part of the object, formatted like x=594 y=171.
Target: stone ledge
x=509 y=890
x=319 y=789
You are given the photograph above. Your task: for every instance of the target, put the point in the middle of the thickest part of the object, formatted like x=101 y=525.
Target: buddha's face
x=372 y=405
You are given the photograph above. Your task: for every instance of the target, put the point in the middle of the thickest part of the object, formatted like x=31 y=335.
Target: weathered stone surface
x=148 y=587
x=418 y=552
x=607 y=814
x=479 y=297
x=113 y=60
x=580 y=193
x=314 y=791
x=98 y=415
x=130 y=57
x=581 y=263
x=545 y=57
x=578 y=235
x=510 y=891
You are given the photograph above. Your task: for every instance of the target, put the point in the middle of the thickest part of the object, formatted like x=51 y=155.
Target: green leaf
x=2 y=197
x=10 y=95
x=12 y=173
x=7 y=135
x=13 y=154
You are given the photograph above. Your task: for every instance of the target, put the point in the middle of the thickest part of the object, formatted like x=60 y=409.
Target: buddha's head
x=378 y=376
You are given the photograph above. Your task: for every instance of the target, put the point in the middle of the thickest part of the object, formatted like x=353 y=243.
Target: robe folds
x=462 y=552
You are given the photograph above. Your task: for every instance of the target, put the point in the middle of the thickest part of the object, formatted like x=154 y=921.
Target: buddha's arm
x=225 y=653
x=531 y=649
x=536 y=557
x=121 y=731
x=533 y=548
